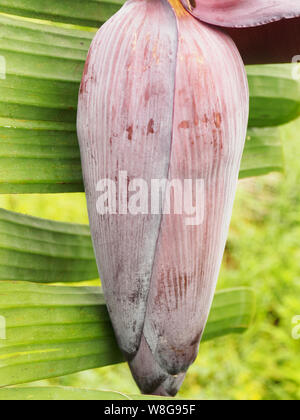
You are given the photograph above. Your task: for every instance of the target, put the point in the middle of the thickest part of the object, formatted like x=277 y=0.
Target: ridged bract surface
x=163 y=96
x=125 y=124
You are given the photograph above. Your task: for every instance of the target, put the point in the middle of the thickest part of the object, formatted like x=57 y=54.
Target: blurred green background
x=262 y=252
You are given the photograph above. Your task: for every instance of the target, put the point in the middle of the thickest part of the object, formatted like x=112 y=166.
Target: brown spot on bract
x=134 y=326
x=133 y=297
x=184 y=124
x=147 y=93
x=150 y=129
x=197 y=339
x=130 y=132
x=183 y=284
x=146 y=51
x=205 y=119
x=84 y=79
x=82 y=86
x=215 y=141
x=217 y=119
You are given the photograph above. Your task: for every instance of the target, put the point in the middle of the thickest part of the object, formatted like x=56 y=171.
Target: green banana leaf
x=77 y=12
x=274 y=95
x=263 y=152
x=40 y=250
x=67 y=394
x=55 y=330
x=38 y=98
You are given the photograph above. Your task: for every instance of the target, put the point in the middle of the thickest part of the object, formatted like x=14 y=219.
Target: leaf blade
x=67 y=394
x=85 y=338
x=274 y=95
x=39 y=250
x=263 y=152
x=89 y=13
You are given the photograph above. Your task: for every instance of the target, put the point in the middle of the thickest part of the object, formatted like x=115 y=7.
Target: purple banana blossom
x=164 y=97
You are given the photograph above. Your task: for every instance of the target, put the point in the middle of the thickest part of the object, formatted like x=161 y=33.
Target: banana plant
x=164 y=96
x=41 y=68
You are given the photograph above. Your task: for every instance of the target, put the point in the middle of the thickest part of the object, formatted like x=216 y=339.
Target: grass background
x=262 y=252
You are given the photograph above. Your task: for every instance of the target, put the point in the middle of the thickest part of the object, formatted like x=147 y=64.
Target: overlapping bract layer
x=210 y=119
x=242 y=13
x=264 y=31
x=163 y=96
x=125 y=124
